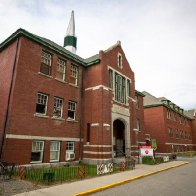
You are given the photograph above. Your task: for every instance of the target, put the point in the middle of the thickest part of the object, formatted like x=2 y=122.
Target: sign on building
x=154 y=143
x=104 y=168
x=146 y=151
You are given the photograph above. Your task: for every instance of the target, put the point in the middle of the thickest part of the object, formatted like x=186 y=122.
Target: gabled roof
x=52 y=45
x=191 y=113
x=152 y=101
x=139 y=93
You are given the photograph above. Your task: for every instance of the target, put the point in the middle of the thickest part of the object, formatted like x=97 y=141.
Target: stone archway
x=118 y=138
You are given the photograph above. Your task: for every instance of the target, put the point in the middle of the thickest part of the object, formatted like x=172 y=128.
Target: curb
x=127 y=180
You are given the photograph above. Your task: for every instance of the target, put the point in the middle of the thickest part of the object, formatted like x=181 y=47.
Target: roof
x=152 y=101
x=191 y=113
x=139 y=93
x=52 y=45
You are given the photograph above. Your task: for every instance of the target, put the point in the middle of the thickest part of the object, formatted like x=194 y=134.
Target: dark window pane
x=71 y=114
x=35 y=156
x=40 y=108
x=45 y=69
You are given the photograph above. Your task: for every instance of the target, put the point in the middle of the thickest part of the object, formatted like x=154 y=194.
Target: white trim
x=92 y=152
x=49 y=76
x=97 y=145
x=41 y=115
x=179 y=144
x=94 y=124
x=132 y=99
x=100 y=146
x=98 y=87
x=119 y=73
x=136 y=130
x=97 y=159
x=31 y=137
x=106 y=125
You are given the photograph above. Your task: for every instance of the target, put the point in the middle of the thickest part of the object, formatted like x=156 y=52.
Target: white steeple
x=70 y=39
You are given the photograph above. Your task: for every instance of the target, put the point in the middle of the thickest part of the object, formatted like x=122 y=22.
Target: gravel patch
x=16 y=186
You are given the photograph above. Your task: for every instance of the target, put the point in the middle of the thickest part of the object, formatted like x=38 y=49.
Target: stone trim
x=94 y=124
x=100 y=146
x=179 y=144
x=92 y=152
x=97 y=88
x=31 y=137
x=106 y=125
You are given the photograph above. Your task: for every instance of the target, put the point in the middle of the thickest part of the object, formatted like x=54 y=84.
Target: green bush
x=148 y=160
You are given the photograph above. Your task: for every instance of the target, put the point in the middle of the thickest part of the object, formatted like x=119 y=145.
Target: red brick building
x=170 y=125
x=58 y=107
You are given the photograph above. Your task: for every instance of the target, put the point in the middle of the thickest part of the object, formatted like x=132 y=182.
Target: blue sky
x=158 y=36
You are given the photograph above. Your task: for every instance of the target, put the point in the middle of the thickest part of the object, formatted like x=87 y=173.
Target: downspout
x=8 y=101
x=81 y=116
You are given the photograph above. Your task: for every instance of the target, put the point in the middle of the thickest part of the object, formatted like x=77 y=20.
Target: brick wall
x=157 y=124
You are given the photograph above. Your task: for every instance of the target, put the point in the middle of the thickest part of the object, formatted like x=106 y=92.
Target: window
x=37 y=151
x=168 y=114
x=120 y=92
x=61 y=70
x=174 y=114
x=185 y=135
x=120 y=60
x=71 y=110
x=88 y=132
x=74 y=75
x=58 y=107
x=46 y=62
x=137 y=102
x=111 y=78
x=180 y=134
x=42 y=101
x=128 y=88
x=177 y=134
x=170 y=132
x=70 y=146
x=138 y=125
x=54 y=151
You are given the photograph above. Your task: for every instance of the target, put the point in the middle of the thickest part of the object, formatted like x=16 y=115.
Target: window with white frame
x=58 y=107
x=168 y=114
x=74 y=74
x=37 y=151
x=61 y=70
x=120 y=60
x=54 y=150
x=70 y=146
x=42 y=102
x=170 y=132
x=138 y=125
x=46 y=62
x=120 y=88
x=71 y=110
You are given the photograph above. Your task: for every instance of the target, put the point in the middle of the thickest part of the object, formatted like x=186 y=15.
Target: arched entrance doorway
x=118 y=138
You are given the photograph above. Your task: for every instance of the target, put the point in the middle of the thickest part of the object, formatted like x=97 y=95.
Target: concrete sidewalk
x=87 y=186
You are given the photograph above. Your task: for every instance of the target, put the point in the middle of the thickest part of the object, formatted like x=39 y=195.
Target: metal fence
x=54 y=174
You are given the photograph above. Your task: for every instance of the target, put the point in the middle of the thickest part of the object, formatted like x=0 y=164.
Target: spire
x=70 y=39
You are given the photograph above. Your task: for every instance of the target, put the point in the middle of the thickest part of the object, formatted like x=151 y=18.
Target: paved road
x=180 y=181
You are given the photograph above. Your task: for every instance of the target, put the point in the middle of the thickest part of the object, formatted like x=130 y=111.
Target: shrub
x=148 y=160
